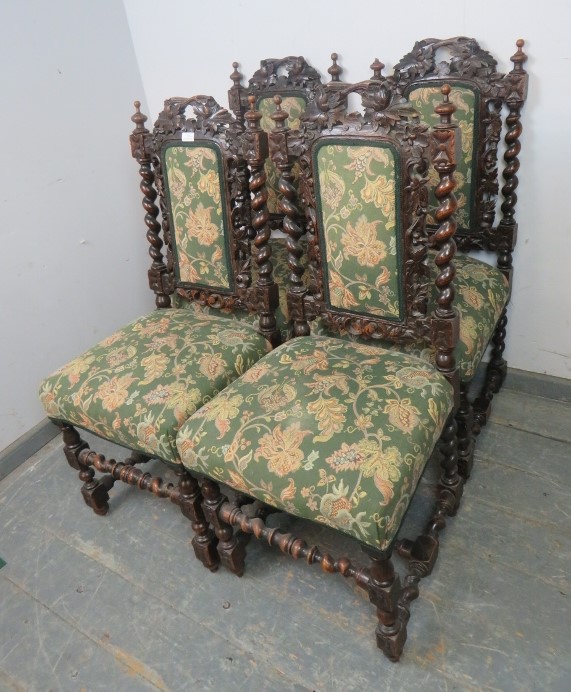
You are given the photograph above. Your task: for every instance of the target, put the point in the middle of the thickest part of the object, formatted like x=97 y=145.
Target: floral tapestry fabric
x=481 y=294
x=325 y=429
x=138 y=386
x=281 y=277
x=357 y=193
x=294 y=105
x=193 y=174
x=425 y=99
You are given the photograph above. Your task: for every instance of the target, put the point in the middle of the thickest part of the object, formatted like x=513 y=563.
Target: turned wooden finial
x=279 y=116
x=236 y=77
x=139 y=119
x=252 y=115
x=377 y=66
x=445 y=109
x=519 y=57
x=335 y=69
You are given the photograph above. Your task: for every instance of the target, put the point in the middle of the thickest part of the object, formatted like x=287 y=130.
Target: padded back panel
x=358 y=218
x=294 y=105
x=465 y=98
x=196 y=198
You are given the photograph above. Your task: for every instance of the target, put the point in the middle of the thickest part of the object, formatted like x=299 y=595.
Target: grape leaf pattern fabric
x=325 y=429
x=138 y=386
x=196 y=201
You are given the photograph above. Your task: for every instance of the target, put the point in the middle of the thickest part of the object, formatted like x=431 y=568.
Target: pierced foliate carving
x=468 y=66
x=387 y=117
x=297 y=74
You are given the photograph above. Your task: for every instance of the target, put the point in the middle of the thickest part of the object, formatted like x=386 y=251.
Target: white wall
x=71 y=223
x=185 y=48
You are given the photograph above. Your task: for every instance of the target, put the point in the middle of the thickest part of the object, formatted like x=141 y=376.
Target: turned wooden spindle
x=287 y=206
x=141 y=149
x=256 y=152
x=235 y=93
x=444 y=161
x=186 y=495
x=335 y=70
x=516 y=91
x=515 y=87
x=379 y=580
x=377 y=66
x=446 y=320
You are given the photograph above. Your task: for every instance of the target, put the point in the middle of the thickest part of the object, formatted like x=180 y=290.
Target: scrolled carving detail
x=297 y=74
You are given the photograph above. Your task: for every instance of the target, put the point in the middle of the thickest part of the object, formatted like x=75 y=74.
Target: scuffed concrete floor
x=120 y=603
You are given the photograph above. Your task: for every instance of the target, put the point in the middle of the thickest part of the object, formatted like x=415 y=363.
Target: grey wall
x=71 y=226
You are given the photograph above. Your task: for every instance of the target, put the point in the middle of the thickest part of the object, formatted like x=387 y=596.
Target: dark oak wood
x=279 y=152
x=515 y=89
x=289 y=76
x=209 y=122
x=462 y=61
x=142 y=150
x=387 y=119
x=390 y=121
x=255 y=142
x=95 y=491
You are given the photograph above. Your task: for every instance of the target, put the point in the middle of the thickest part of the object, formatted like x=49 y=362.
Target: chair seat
x=138 y=386
x=326 y=429
x=481 y=294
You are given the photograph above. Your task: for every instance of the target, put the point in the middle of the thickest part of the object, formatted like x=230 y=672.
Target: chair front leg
x=465 y=421
x=495 y=375
x=95 y=491
x=385 y=591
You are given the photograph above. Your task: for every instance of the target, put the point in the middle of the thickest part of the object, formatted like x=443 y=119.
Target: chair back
x=296 y=82
x=481 y=95
x=363 y=186
x=200 y=154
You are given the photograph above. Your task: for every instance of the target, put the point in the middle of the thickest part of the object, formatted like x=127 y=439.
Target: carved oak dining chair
x=334 y=431
x=487 y=102
x=138 y=386
x=297 y=83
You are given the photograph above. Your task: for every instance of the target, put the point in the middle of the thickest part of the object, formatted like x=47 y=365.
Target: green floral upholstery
x=294 y=105
x=356 y=189
x=332 y=431
x=424 y=99
x=138 y=386
x=280 y=273
x=481 y=295
x=198 y=209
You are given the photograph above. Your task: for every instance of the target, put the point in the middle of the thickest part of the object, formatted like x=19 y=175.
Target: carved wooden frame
x=386 y=118
x=471 y=66
x=213 y=125
x=297 y=78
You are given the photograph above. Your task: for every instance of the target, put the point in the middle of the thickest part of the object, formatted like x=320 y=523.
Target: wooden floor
x=120 y=603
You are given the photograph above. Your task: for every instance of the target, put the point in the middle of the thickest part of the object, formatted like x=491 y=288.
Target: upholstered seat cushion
x=138 y=386
x=481 y=295
x=326 y=429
